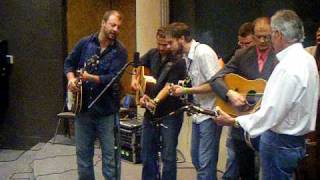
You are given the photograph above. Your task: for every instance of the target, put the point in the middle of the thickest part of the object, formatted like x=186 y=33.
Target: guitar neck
x=141 y=91
x=213 y=113
x=197 y=109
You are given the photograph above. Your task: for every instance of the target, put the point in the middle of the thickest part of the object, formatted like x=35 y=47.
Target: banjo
x=74 y=99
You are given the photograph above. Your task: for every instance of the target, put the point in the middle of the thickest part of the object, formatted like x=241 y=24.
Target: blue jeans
x=150 y=147
x=88 y=126
x=280 y=155
x=205 y=148
x=232 y=170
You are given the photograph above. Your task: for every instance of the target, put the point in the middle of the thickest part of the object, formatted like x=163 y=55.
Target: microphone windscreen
x=136 y=59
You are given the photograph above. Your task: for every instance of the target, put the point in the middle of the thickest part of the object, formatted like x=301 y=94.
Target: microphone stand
x=110 y=83
x=115 y=122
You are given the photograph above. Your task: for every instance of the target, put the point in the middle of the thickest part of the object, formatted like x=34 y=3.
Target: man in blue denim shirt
x=98 y=121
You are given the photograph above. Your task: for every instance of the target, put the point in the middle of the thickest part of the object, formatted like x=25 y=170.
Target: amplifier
x=131 y=124
x=130 y=135
x=131 y=154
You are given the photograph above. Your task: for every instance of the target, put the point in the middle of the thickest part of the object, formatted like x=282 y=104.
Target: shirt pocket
x=104 y=66
x=293 y=117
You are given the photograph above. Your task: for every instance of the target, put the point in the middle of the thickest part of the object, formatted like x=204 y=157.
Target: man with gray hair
x=289 y=105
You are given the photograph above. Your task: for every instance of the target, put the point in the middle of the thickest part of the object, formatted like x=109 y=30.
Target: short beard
x=179 y=54
x=110 y=37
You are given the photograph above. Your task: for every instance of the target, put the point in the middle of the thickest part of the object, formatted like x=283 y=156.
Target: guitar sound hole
x=251 y=98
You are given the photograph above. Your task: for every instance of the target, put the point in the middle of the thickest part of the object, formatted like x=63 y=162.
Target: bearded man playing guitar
x=166 y=68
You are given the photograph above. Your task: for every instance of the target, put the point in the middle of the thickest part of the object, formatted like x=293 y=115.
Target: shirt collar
x=281 y=55
x=193 y=46
x=96 y=40
x=264 y=54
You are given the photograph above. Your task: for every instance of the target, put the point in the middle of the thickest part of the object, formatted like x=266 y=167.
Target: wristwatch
x=156 y=101
x=236 y=123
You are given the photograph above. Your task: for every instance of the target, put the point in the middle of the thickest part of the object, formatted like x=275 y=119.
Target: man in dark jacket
x=166 y=68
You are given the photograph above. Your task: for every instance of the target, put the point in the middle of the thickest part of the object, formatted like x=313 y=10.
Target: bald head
x=261 y=23
x=262 y=33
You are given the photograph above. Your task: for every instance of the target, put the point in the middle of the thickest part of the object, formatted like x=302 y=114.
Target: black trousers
x=245 y=156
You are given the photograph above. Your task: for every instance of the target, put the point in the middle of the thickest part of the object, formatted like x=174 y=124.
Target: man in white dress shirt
x=289 y=105
x=201 y=63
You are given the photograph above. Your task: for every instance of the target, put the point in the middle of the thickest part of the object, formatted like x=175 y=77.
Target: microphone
x=136 y=60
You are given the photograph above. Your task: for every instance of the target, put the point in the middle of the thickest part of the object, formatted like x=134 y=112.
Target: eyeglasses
x=244 y=43
x=265 y=37
x=274 y=31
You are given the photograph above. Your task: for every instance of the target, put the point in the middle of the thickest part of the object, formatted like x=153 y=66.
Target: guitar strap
x=191 y=60
x=163 y=75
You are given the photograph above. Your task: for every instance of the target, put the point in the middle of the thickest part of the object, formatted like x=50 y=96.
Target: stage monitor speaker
x=130 y=136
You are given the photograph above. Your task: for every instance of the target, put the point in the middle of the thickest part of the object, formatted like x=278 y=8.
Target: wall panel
x=34 y=30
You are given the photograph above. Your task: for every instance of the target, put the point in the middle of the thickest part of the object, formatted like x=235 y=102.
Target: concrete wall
x=39 y=33
x=148 y=20
x=216 y=22
x=35 y=33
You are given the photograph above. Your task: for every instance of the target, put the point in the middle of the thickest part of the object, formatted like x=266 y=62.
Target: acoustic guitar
x=146 y=84
x=252 y=90
x=74 y=99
